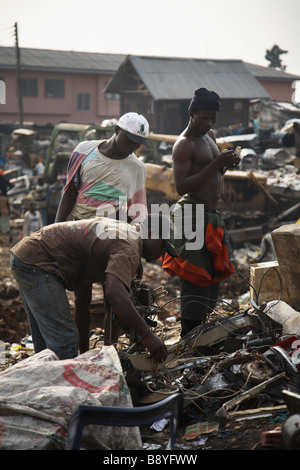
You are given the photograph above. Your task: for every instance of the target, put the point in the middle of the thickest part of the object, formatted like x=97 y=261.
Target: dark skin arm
x=67 y=203
x=119 y=300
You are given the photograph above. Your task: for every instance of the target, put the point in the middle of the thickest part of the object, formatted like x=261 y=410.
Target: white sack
x=39 y=394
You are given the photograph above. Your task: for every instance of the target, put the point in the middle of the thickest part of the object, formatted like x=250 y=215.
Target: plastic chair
x=169 y=407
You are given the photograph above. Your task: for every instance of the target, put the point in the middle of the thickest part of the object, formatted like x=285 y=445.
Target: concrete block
x=286 y=241
x=265 y=279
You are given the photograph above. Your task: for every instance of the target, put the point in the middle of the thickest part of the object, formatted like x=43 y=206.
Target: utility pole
x=19 y=78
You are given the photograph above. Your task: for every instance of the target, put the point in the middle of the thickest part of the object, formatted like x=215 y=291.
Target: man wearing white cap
x=104 y=175
x=105 y=178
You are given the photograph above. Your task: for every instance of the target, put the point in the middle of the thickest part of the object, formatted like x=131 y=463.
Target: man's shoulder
x=136 y=161
x=87 y=146
x=211 y=134
x=183 y=144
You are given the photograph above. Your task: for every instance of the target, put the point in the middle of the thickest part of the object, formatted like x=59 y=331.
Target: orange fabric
x=190 y=272
x=214 y=237
x=185 y=270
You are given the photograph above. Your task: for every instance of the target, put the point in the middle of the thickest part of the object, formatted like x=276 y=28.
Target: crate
x=264 y=279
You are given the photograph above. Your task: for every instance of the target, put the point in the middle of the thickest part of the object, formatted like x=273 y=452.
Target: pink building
x=58 y=86
x=280 y=85
x=69 y=86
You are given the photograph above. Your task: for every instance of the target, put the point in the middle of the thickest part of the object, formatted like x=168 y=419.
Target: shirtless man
x=198 y=167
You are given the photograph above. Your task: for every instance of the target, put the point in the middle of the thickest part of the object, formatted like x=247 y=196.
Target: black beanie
x=205 y=100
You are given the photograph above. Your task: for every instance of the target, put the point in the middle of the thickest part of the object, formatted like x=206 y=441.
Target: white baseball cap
x=135 y=126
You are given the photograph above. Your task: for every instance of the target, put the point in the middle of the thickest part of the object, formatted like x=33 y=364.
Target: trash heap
x=242 y=363
x=235 y=366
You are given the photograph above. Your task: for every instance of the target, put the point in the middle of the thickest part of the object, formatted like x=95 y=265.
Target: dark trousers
x=196 y=302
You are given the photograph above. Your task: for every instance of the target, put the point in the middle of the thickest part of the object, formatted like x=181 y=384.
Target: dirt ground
x=232 y=435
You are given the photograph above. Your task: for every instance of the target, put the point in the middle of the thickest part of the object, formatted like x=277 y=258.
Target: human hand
x=229 y=159
x=156 y=347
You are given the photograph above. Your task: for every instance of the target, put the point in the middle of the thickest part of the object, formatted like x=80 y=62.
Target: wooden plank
x=261 y=187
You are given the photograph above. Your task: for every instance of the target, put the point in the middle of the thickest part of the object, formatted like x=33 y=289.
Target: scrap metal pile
x=236 y=365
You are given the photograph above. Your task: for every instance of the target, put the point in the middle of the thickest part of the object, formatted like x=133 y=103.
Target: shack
x=161 y=88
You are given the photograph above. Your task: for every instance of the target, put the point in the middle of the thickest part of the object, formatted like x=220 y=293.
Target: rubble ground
x=243 y=434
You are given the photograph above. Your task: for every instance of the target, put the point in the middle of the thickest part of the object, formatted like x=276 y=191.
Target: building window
x=83 y=101
x=112 y=96
x=238 y=106
x=54 y=88
x=29 y=86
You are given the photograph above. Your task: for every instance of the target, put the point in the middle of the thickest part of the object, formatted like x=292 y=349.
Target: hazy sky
x=216 y=29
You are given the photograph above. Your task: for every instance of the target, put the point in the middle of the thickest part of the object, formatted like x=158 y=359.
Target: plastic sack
x=39 y=394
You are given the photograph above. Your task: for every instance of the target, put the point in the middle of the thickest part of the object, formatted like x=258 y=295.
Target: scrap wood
x=261 y=187
x=258 y=411
x=223 y=411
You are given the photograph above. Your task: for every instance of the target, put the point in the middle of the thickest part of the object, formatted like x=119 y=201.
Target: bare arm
x=67 y=203
x=120 y=302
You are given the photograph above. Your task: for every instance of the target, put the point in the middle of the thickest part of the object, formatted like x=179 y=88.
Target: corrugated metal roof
x=270 y=73
x=169 y=78
x=46 y=59
x=165 y=77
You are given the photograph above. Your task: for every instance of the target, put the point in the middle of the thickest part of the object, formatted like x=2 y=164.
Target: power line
x=7 y=28
x=7 y=33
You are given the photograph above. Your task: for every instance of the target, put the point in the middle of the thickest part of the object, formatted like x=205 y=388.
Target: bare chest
x=205 y=150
